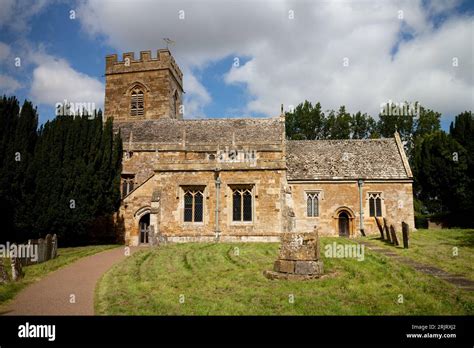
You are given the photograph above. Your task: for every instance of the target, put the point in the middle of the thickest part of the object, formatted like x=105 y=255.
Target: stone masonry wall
x=397 y=205
x=159 y=79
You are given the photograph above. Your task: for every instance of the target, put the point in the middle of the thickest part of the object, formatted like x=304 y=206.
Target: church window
x=242 y=204
x=193 y=204
x=312 y=204
x=375 y=204
x=127 y=184
x=137 y=103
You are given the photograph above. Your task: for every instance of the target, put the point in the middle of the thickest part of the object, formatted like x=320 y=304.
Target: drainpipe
x=360 y=182
x=218 y=185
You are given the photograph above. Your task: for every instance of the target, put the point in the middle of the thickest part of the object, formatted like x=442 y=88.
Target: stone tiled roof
x=205 y=131
x=345 y=159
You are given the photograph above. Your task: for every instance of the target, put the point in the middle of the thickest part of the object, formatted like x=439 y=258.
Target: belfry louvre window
x=193 y=204
x=312 y=204
x=375 y=204
x=242 y=203
x=137 y=103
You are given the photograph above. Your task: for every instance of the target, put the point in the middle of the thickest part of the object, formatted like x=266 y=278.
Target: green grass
x=34 y=273
x=435 y=247
x=215 y=281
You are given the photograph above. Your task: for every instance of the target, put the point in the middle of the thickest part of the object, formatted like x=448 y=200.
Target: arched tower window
x=137 y=102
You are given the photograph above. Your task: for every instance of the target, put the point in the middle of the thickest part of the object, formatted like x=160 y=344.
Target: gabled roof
x=346 y=159
x=203 y=131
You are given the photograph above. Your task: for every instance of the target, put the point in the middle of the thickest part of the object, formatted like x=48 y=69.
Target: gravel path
x=53 y=294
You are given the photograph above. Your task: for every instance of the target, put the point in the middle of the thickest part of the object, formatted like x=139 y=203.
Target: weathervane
x=168 y=41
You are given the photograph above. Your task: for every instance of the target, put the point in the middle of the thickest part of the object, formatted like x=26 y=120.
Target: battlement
x=163 y=60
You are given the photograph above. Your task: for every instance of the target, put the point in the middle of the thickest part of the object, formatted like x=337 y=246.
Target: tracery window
x=193 y=204
x=127 y=184
x=375 y=204
x=242 y=203
x=312 y=204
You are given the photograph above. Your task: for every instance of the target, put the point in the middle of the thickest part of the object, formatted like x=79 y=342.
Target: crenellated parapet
x=129 y=64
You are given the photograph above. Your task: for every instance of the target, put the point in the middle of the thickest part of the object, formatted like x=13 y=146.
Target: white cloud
x=15 y=14
x=293 y=60
x=196 y=97
x=54 y=81
x=4 y=51
x=8 y=85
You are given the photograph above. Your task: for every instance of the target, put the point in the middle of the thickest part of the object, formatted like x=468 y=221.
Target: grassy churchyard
x=34 y=273
x=226 y=279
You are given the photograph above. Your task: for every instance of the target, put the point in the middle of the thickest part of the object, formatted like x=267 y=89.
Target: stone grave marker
x=48 y=247
x=4 y=277
x=405 y=233
x=54 y=248
x=17 y=269
x=394 y=235
x=386 y=229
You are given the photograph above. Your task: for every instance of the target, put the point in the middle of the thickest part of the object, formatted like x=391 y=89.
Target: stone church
x=240 y=179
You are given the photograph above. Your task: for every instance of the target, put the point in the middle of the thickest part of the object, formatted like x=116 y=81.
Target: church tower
x=144 y=89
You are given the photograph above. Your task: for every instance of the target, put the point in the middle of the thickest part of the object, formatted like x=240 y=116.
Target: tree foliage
x=442 y=163
x=68 y=177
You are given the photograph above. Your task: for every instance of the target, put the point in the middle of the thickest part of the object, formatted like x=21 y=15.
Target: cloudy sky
x=245 y=58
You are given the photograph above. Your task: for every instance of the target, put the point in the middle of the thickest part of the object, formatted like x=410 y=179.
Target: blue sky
x=400 y=50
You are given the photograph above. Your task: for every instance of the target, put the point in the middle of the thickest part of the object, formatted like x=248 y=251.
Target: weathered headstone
x=299 y=257
x=405 y=232
x=379 y=226
x=48 y=247
x=387 y=232
x=41 y=248
x=394 y=235
x=54 y=249
x=4 y=277
x=17 y=269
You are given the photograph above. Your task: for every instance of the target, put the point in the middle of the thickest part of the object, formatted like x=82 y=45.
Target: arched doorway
x=143 y=228
x=343 y=223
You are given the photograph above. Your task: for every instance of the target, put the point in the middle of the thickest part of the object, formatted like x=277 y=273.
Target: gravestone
x=4 y=277
x=48 y=247
x=379 y=226
x=386 y=229
x=17 y=269
x=405 y=233
x=299 y=257
x=41 y=248
x=394 y=235
x=54 y=248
